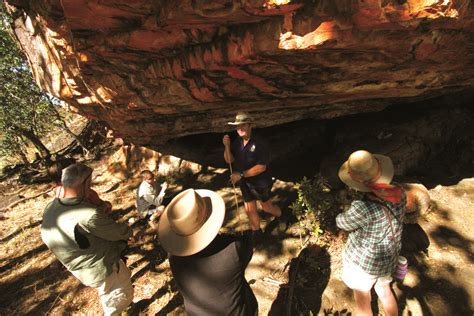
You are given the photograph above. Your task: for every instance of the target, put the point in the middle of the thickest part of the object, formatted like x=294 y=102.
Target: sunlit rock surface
x=159 y=70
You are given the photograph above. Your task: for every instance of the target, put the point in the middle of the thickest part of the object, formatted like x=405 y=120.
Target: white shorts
x=357 y=279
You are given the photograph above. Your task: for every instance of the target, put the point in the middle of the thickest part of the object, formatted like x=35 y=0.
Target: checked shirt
x=371 y=244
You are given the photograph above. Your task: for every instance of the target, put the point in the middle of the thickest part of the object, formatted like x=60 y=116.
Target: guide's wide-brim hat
x=241 y=118
x=191 y=221
x=362 y=168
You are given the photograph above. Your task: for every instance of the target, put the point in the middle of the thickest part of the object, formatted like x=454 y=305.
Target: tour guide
x=249 y=154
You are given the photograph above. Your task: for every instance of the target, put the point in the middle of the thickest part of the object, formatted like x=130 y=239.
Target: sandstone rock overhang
x=160 y=70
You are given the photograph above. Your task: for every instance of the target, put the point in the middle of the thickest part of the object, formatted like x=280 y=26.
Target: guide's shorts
x=251 y=193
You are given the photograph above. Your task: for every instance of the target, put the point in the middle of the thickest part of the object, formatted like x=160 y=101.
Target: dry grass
x=33 y=282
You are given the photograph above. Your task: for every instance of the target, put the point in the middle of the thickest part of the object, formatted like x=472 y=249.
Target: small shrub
x=316 y=206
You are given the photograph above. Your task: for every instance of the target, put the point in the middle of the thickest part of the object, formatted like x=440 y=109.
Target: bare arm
x=227 y=153
x=255 y=170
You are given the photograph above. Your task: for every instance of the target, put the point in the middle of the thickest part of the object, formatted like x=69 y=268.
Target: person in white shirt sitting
x=148 y=199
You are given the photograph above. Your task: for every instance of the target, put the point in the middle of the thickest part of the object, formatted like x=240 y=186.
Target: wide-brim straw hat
x=363 y=167
x=191 y=221
x=241 y=118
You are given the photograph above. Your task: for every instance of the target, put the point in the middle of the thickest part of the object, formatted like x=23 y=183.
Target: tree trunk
x=42 y=149
x=22 y=144
x=23 y=156
x=65 y=128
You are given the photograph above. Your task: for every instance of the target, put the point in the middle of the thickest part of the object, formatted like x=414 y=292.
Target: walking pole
x=227 y=149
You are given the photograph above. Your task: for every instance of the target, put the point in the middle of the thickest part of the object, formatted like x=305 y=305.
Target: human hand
x=164 y=186
x=159 y=210
x=226 y=140
x=235 y=177
x=155 y=217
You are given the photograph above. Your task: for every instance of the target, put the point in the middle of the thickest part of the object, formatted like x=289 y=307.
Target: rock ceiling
x=159 y=70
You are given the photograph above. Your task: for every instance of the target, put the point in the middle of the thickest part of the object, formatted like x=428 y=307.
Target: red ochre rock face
x=160 y=70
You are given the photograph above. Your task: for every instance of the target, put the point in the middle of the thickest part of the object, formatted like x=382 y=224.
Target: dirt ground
x=286 y=268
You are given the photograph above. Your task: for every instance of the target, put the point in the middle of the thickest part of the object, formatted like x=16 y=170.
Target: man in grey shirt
x=87 y=241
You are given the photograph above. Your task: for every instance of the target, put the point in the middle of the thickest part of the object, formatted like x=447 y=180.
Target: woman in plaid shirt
x=375 y=226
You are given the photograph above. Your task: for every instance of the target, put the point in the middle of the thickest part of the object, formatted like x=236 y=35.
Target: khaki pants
x=116 y=293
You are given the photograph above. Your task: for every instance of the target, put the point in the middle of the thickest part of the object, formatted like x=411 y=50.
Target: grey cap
x=75 y=175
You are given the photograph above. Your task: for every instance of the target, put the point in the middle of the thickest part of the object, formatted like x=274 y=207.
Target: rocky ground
x=286 y=269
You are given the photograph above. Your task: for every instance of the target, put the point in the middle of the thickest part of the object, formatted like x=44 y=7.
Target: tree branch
x=24 y=199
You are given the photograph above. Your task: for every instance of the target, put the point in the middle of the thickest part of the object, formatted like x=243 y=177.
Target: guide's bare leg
x=251 y=210
x=271 y=208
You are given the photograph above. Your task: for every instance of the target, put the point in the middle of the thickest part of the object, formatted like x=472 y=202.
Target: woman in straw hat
x=375 y=224
x=208 y=268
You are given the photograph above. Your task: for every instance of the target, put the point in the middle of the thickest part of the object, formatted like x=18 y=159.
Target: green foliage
x=25 y=111
x=315 y=207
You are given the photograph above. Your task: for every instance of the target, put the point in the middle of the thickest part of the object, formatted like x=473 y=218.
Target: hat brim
x=238 y=123
x=179 y=245
x=386 y=176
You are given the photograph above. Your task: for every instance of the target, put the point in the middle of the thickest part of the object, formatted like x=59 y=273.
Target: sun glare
x=363 y=18
x=277 y=2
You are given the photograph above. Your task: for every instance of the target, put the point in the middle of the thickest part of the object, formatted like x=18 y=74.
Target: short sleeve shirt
x=213 y=282
x=373 y=243
x=255 y=152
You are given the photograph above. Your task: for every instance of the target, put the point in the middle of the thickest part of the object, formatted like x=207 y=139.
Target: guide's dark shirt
x=213 y=282
x=255 y=152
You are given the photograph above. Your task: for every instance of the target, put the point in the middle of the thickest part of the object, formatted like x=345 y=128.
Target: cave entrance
x=431 y=140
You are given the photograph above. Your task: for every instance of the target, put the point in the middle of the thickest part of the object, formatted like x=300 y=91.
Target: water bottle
x=401 y=269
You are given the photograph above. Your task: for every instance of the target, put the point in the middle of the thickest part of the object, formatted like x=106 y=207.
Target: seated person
x=209 y=269
x=148 y=200
x=54 y=171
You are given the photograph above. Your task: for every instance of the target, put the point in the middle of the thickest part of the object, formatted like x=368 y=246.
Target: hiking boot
x=284 y=219
x=257 y=237
x=285 y=216
x=264 y=215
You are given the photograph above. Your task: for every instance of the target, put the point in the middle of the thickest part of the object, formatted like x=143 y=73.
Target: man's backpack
x=414 y=239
